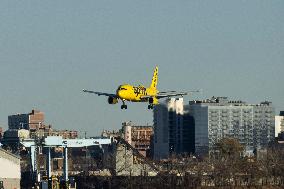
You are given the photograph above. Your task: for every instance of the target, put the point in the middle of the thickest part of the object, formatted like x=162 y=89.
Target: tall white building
x=171 y=131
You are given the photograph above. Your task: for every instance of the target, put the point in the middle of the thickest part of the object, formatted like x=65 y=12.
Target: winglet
x=154 y=79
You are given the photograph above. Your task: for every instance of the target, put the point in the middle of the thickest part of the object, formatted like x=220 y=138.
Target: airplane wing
x=166 y=94
x=170 y=94
x=100 y=93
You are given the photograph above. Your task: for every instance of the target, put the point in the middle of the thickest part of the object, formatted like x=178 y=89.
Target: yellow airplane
x=131 y=93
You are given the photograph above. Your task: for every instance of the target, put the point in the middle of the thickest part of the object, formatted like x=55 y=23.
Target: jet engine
x=112 y=100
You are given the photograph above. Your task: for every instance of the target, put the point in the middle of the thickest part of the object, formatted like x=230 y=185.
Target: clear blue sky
x=51 y=50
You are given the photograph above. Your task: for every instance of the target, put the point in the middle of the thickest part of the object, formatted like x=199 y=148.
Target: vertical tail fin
x=154 y=79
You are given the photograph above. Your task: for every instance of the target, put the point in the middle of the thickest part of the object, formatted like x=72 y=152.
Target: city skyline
x=50 y=51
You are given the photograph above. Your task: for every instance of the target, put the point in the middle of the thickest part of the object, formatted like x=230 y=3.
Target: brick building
x=138 y=136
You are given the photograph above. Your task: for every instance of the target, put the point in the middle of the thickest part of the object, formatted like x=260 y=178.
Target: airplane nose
x=120 y=93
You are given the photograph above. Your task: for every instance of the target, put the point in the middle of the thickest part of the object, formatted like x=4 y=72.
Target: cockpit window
x=121 y=88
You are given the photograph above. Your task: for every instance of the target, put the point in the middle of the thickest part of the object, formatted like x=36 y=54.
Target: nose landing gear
x=123 y=106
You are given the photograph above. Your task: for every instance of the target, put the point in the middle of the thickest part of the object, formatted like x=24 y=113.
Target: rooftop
x=224 y=101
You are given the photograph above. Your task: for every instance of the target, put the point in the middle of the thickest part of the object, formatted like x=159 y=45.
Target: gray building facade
x=173 y=133
x=252 y=124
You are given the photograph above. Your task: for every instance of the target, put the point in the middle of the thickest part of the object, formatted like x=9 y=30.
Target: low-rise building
x=10 y=171
x=122 y=159
x=66 y=134
x=111 y=134
x=31 y=125
x=12 y=137
x=138 y=136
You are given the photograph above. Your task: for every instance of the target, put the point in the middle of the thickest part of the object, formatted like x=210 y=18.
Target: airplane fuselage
x=133 y=93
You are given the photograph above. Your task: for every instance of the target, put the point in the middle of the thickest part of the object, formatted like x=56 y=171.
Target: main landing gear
x=150 y=106
x=123 y=106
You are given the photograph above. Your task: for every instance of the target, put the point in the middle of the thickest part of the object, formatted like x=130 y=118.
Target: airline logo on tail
x=139 y=93
x=154 y=79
